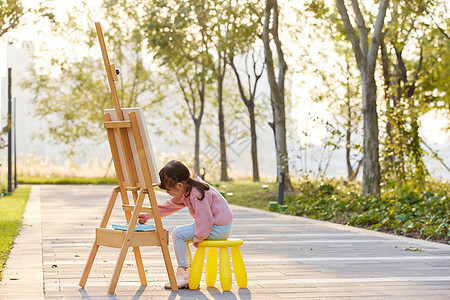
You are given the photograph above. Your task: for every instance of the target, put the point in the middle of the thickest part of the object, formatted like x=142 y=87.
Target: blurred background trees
x=191 y=62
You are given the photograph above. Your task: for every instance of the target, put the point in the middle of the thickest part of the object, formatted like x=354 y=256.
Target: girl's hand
x=195 y=241
x=143 y=218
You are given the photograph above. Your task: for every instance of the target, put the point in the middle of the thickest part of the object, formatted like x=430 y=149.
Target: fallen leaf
x=412 y=249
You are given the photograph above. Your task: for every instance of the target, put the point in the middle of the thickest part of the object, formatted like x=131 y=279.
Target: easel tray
x=114 y=238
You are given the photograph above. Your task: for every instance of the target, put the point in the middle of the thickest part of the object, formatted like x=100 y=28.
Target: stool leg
x=238 y=266
x=225 y=269
x=211 y=267
x=196 y=269
x=189 y=254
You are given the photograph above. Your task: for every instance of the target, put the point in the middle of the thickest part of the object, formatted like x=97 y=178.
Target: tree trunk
x=251 y=112
x=356 y=171
x=200 y=90
x=280 y=137
x=250 y=104
x=366 y=56
x=223 y=144
x=407 y=93
x=197 y=148
x=351 y=173
x=348 y=136
x=272 y=125
x=387 y=80
x=371 y=164
x=277 y=88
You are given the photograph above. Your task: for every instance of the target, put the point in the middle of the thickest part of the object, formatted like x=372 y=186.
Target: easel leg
x=118 y=268
x=126 y=244
x=169 y=267
x=140 y=265
x=94 y=250
x=137 y=253
x=89 y=263
x=164 y=243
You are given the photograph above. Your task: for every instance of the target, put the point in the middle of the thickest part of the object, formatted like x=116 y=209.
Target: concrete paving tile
x=23 y=296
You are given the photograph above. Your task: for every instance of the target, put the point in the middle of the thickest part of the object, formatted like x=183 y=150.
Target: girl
x=210 y=210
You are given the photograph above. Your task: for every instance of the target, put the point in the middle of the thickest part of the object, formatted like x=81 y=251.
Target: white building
x=19 y=59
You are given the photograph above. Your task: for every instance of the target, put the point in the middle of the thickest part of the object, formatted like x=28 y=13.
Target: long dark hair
x=176 y=172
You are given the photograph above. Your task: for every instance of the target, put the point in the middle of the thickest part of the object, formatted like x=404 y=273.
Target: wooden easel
x=131 y=161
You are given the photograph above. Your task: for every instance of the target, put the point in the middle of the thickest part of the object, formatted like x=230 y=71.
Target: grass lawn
x=66 y=180
x=11 y=211
x=248 y=193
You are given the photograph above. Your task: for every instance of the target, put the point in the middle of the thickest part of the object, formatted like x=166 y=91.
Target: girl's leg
x=180 y=237
x=220 y=232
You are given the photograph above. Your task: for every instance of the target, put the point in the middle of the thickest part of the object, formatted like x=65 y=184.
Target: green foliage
x=401 y=147
x=242 y=24
x=173 y=31
x=179 y=33
x=421 y=29
x=73 y=104
x=417 y=211
x=413 y=85
x=11 y=208
x=433 y=86
x=193 y=39
x=10 y=12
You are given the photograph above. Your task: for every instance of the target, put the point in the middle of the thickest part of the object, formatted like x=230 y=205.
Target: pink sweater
x=213 y=209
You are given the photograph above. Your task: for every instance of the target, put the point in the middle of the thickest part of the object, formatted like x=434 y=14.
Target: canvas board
x=151 y=162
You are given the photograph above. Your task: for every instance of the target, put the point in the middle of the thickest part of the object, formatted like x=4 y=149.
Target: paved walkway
x=285 y=256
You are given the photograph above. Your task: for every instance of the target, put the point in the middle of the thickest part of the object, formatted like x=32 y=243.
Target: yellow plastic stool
x=224 y=264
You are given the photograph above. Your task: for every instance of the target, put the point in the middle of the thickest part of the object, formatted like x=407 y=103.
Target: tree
x=12 y=12
x=251 y=85
x=365 y=52
x=174 y=36
x=173 y=33
x=221 y=71
x=72 y=95
x=434 y=87
x=352 y=119
x=402 y=143
x=339 y=85
x=244 y=30
x=218 y=35
x=348 y=117
x=410 y=30
x=269 y=34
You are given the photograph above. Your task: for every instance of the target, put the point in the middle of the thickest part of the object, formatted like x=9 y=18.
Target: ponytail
x=202 y=187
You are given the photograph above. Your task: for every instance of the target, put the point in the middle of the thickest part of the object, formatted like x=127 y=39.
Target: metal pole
x=14 y=138
x=281 y=189
x=9 y=133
